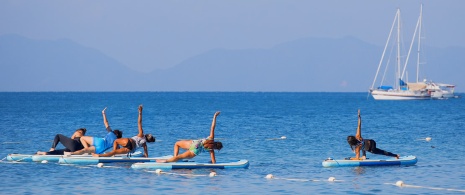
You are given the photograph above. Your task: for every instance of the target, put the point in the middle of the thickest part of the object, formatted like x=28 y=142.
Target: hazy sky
x=146 y=35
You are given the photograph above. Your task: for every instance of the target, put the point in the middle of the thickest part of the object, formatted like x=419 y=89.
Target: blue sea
x=315 y=126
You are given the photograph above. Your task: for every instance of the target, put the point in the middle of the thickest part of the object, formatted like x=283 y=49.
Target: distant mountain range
x=309 y=65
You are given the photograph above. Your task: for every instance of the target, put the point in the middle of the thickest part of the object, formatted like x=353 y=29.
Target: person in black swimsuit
x=71 y=144
x=357 y=143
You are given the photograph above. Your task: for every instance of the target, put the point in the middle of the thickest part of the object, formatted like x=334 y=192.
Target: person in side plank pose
x=195 y=147
x=71 y=144
x=96 y=144
x=129 y=145
x=357 y=143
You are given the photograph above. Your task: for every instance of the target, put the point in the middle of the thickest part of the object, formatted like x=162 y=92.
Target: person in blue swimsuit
x=99 y=145
x=129 y=145
x=195 y=147
x=357 y=143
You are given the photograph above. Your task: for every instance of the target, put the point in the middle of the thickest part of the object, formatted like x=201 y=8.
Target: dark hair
x=218 y=145
x=149 y=137
x=352 y=140
x=210 y=144
x=118 y=133
x=83 y=130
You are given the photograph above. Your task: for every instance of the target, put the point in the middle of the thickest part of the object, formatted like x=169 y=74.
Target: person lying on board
x=195 y=147
x=99 y=145
x=130 y=145
x=357 y=143
x=71 y=144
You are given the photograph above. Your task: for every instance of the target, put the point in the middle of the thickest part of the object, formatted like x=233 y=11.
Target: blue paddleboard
x=56 y=158
x=404 y=160
x=19 y=157
x=75 y=159
x=191 y=165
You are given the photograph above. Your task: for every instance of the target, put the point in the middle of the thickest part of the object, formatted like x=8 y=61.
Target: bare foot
x=161 y=160
x=52 y=149
x=397 y=156
x=67 y=153
x=41 y=153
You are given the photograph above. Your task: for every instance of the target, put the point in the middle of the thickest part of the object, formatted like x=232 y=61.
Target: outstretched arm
x=139 y=123
x=357 y=153
x=358 y=135
x=146 y=151
x=212 y=129
x=105 y=121
x=212 y=155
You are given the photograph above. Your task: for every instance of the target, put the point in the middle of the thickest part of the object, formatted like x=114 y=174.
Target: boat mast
x=385 y=48
x=419 y=40
x=417 y=27
x=398 y=48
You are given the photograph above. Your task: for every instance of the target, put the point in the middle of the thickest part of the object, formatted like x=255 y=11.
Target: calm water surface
x=315 y=126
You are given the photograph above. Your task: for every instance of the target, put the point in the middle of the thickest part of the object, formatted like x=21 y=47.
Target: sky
x=148 y=35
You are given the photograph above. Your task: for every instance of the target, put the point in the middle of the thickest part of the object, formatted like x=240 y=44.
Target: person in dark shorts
x=130 y=145
x=71 y=144
x=357 y=143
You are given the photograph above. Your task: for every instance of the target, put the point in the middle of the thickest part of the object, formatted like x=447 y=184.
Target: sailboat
x=401 y=90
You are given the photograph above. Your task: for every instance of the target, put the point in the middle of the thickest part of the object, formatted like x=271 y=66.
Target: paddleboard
x=19 y=157
x=404 y=160
x=116 y=159
x=56 y=158
x=191 y=165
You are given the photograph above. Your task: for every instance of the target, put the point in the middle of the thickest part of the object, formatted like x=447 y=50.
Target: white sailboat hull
x=399 y=95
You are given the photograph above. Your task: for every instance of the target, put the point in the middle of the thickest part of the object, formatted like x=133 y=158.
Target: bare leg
x=87 y=141
x=116 y=150
x=184 y=144
x=90 y=149
x=176 y=149
x=187 y=154
x=113 y=152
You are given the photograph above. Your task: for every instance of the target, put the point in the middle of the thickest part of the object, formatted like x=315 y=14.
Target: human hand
x=103 y=111
x=217 y=113
x=140 y=108
x=358 y=112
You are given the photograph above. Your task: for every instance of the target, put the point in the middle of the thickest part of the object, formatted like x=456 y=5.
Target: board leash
x=159 y=172
x=402 y=184
x=330 y=179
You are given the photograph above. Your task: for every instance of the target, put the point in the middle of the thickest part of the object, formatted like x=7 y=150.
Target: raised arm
x=76 y=134
x=139 y=123
x=212 y=129
x=105 y=121
x=358 y=135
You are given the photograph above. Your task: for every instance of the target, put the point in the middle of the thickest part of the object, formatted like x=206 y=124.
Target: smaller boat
x=440 y=90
